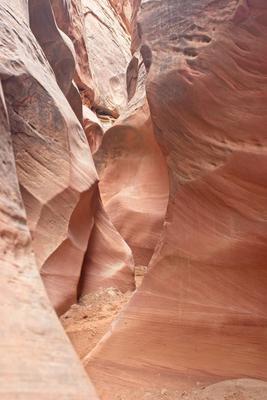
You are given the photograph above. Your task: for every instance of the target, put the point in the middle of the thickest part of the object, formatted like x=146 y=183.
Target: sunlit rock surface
x=133 y=173
x=55 y=169
x=36 y=358
x=134 y=182
x=93 y=129
x=57 y=176
x=102 y=268
x=200 y=315
x=175 y=119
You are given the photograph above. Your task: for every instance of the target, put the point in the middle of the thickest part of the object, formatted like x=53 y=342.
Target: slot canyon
x=133 y=200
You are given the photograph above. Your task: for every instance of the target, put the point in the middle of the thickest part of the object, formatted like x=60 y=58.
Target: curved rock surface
x=133 y=175
x=57 y=47
x=93 y=129
x=57 y=176
x=56 y=172
x=123 y=9
x=70 y=19
x=196 y=139
x=36 y=358
x=109 y=54
x=135 y=29
x=102 y=268
x=134 y=182
x=200 y=315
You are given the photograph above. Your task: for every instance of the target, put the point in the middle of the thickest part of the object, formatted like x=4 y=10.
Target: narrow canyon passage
x=133 y=199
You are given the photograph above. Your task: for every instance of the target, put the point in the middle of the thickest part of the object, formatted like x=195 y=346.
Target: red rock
x=133 y=173
x=200 y=315
x=135 y=30
x=109 y=53
x=108 y=261
x=36 y=358
x=93 y=129
x=56 y=172
x=70 y=19
x=123 y=9
x=62 y=10
x=57 y=47
x=134 y=182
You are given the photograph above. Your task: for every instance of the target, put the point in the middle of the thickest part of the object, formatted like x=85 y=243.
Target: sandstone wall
x=36 y=358
x=200 y=315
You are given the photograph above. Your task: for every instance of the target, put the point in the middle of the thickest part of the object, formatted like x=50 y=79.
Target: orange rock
x=135 y=30
x=123 y=9
x=108 y=47
x=93 y=129
x=36 y=358
x=70 y=19
x=56 y=172
x=108 y=261
x=200 y=315
x=134 y=182
x=133 y=173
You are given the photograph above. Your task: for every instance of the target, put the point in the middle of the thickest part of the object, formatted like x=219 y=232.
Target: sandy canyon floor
x=89 y=320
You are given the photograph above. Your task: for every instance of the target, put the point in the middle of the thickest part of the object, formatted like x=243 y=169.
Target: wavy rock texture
x=123 y=9
x=56 y=172
x=200 y=315
x=93 y=129
x=133 y=173
x=31 y=336
x=109 y=53
x=102 y=268
x=196 y=139
x=70 y=19
x=58 y=49
x=134 y=182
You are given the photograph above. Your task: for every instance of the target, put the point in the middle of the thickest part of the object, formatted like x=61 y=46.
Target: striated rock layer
x=123 y=10
x=200 y=314
x=134 y=182
x=70 y=19
x=57 y=176
x=133 y=174
x=109 y=53
x=93 y=129
x=108 y=261
x=198 y=141
x=36 y=358
x=56 y=172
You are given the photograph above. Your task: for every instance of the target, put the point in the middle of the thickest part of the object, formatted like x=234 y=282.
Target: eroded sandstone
x=200 y=314
x=189 y=103
x=134 y=182
x=55 y=169
x=109 y=53
x=36 y=358
x=57 y=176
